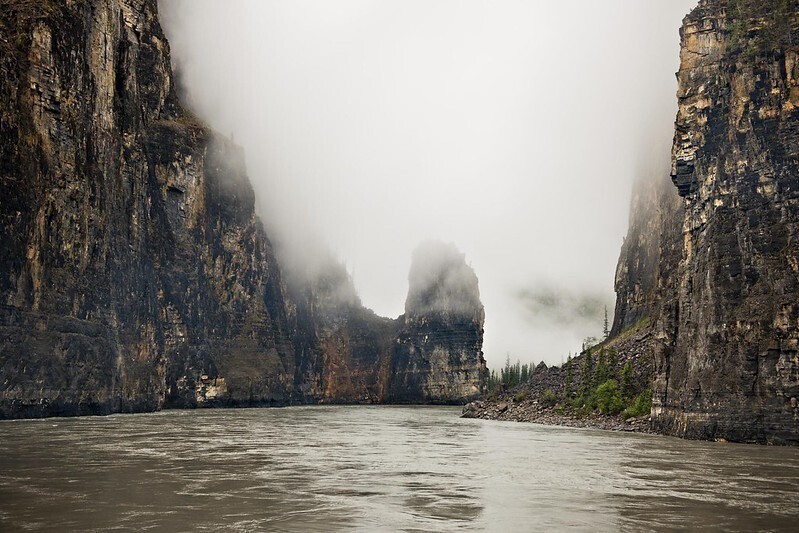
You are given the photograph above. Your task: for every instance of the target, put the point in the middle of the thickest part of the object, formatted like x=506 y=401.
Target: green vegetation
x=627 y=380
x=567 y=383
x=603 y=387
x=587 y=376
x=549 y=398
x=600 y=384
x=632 y=330
x=608 y=398
x=641 y=405
x=510 y=376
x=756 y=26
x=603 y=370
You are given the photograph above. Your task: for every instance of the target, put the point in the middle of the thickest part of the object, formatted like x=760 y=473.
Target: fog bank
x=512 y=129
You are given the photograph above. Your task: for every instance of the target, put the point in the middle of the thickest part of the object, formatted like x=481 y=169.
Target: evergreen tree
x=587 y=375
x=605 y=329
x=608 y=399
x=613 y=362
x=602 y=370
x=567 y=384
x=627 y=381
x=589 y=342
x=493 y=381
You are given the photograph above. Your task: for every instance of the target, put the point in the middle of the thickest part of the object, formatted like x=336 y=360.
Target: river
x=378 y=469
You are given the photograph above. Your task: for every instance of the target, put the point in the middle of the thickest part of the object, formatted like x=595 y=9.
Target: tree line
x=510 y=375
x=604 y=387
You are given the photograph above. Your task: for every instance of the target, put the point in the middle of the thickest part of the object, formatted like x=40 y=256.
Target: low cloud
x=513 y=129
x=441 y=282
x=561 y=306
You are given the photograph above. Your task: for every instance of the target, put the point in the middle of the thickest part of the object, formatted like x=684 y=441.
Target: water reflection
x=378 y=468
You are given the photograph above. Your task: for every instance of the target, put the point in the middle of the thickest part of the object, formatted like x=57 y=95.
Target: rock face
x=723 y=299
x=645 y=275
x=343 y=350
x=438 y=351
x=732 y=370
x=433 y=352
x=134 y=274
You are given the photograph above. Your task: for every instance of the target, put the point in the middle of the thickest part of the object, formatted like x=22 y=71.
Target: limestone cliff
x=649 y=256
x=438 y=351
x=724 y=312
x=342 y=349
x=433 y=352
x=134 y=273
x=708 y=279
x=729 y=364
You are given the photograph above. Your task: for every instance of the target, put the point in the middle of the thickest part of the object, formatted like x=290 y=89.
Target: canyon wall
x=134 y=272
x=348 y=354
x=714 y=275
x=441 y=330
x=731 y=369
x=707 y=284
x=645 y=274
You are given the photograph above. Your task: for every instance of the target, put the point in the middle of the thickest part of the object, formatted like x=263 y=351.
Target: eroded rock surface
x=438 y=351
x=132 y=261
x=707 y=283
x=730 y=368
x=432 y=353
x=134 y=273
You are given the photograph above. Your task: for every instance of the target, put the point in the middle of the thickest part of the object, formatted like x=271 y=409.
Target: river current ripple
x=378 y=469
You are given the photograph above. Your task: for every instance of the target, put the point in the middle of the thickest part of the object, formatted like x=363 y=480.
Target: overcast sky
x=513 y=129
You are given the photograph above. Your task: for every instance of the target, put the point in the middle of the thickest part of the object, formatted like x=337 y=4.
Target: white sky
x=513 y=129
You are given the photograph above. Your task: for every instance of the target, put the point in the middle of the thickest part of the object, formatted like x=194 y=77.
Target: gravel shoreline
x=532 y=411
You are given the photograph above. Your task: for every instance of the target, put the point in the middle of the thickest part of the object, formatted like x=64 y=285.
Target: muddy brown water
x=378 y=469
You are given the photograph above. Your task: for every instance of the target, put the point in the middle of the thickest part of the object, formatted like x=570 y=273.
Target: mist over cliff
x=136 y=273
x=511 y=129
x=707 y=277
x=440 y=282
